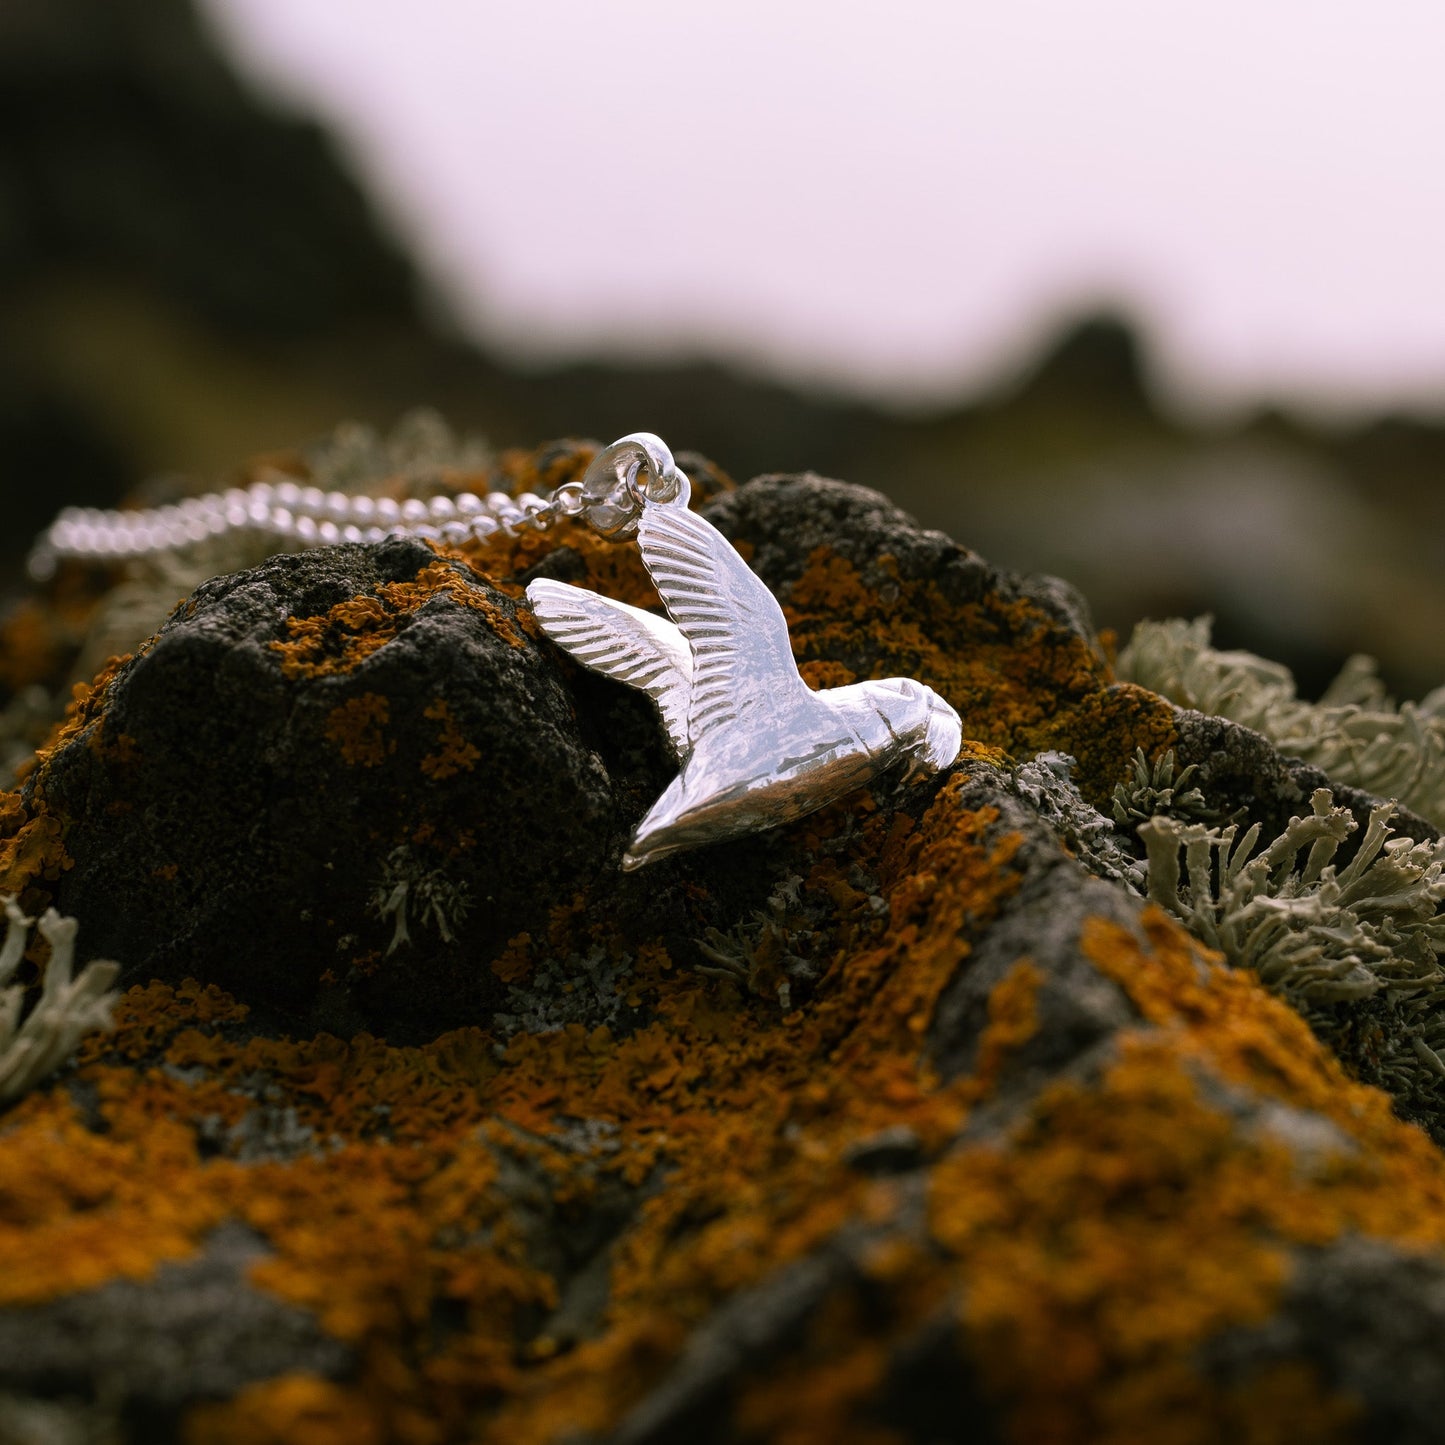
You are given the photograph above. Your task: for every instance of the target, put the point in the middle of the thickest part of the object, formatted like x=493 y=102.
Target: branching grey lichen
x=1044 y=783
x=1156 y=792
x=68 y=1007
x=760 y=954
x=1356 y=948
x=1355 y=732
x=411 y=891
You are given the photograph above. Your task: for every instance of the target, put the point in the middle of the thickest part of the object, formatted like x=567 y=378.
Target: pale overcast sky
x=901 y=198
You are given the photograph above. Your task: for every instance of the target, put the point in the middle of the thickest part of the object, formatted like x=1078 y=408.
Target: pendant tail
x=649 y=841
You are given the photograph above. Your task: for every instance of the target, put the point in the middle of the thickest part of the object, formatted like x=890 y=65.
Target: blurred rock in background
x=187 y=276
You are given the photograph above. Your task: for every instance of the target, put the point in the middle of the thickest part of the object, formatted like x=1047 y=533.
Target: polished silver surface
x=620 y=478
x=757 y=746
x=635 y=468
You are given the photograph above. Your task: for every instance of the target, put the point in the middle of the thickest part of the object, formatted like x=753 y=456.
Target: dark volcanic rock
x=1369 y=1315
x=785 y=521
x=1075 y=1006
x=197 y=1330
x=232 y=823
x=1239 y=769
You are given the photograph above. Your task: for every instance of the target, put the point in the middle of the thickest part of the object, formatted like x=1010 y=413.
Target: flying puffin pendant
x=757 y=747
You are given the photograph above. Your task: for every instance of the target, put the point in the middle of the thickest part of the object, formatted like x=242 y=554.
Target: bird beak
x=945 y=735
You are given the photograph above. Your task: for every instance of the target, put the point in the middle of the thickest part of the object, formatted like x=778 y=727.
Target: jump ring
x=568 y=500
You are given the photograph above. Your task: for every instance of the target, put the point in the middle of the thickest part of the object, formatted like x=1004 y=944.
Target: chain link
x=286 y=511
x=610 y=497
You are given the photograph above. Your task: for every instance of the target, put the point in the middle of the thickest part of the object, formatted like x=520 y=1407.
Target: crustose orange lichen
x=341 y=638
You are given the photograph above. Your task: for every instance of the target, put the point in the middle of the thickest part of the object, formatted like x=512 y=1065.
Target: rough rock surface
x=895 y=1125
x=337 y=783
x=265 y=782
x=195 y=1329
x=1239 y=770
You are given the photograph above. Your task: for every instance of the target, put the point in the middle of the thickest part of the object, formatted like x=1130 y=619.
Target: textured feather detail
x=623 y=642
x=742 y=661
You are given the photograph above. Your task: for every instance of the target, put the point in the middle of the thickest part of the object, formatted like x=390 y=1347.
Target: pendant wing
x=623 y=642
x=742 y=661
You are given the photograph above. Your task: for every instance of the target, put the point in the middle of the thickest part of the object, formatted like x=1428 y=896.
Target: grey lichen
x=766 y=953
x=68 y=1008
x=410 y=891
x=1356 y=948
x=586 y=989
x=1311 y=931
x=1355 y=732
x=1153 y=792
x=153 y=587
x=1044 y=783
x=416 y=454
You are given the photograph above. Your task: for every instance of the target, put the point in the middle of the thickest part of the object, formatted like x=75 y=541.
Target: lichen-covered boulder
x=340 y=784
x=318 y=766
x=912 y=1122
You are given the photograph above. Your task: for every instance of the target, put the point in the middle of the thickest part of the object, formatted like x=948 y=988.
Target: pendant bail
x=635 y=469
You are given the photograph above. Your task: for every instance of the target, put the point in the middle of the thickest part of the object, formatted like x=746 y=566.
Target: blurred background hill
x=191 y=275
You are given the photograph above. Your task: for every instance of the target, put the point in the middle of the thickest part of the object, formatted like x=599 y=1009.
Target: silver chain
x=285 y=511
x=610 y=496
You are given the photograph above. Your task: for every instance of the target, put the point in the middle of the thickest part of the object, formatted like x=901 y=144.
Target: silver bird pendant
x=757 y=746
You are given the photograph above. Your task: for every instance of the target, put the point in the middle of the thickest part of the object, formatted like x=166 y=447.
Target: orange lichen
x=514 y=963
x=1128 y=1220
x=606 y=567
x=340 y=639
x=1252 y=1038
x=355 y=726
x=32 y=645
x=826 y=673
x=34 y=852
x=32 y=833
x=1012 y=1020
x=1020 y=679
x=87 y=704
x=315 y=1412
x=453 y=754
x=1121 y=1226
x=78 y=1209
x=406 y=597
x=752 y=1119
x=148 y=1015
x=543 y=469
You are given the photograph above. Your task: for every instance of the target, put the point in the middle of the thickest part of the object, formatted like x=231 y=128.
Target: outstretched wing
x=742 y=661
x=633 y=646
